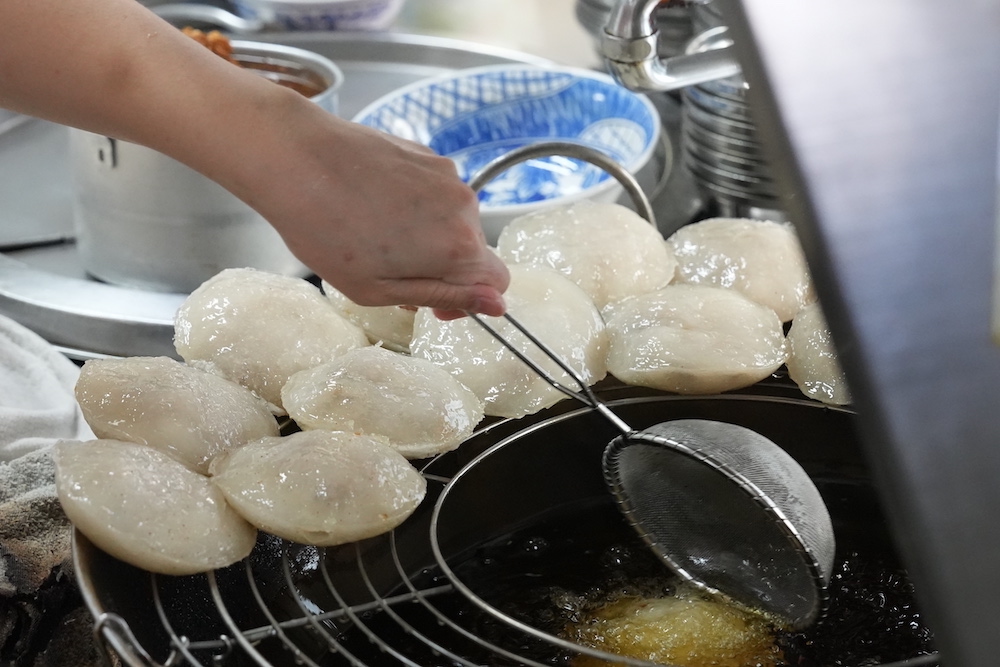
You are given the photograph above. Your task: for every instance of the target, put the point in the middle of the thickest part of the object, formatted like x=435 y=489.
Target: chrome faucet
x=629 y=45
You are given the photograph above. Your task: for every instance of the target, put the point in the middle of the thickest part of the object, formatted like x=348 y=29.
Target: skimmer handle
x=571 y=150
x=585 y=395
x=595 y=157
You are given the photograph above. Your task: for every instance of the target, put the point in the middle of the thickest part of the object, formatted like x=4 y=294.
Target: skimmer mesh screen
x=730 y=510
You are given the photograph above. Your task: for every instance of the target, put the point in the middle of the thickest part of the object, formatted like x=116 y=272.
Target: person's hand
x=386 y=221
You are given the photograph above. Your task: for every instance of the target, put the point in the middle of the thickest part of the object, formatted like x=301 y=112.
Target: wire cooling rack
x=388 y=600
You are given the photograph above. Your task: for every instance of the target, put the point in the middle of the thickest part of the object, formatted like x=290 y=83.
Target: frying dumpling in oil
x=687 y=628
x=258 y=329
x=693 y=339
x=419 y=408
x=606 y=249
x=145 y=508
x=812 y=359
x=551 y=307
x=392 y=326
x=182 y=411
x=320 y=487
x=759 y=258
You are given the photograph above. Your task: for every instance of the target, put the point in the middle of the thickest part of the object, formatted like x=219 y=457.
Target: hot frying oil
x=585 y=576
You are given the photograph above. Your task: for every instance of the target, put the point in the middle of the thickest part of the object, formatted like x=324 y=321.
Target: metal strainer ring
x=571 y=150
x=729 y=510
x=723 y=506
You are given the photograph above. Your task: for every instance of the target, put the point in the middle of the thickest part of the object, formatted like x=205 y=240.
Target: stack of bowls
x=720 y=142
x=705 y=15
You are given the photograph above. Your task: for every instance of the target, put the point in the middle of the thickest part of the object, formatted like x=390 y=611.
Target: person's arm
x=383 y=220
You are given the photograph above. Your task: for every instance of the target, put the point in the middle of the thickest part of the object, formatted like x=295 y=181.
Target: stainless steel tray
x=42 y=283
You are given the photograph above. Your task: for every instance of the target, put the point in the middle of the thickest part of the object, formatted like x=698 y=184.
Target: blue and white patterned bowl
x=476 y=115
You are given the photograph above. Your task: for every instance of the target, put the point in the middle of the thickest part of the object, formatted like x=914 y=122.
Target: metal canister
x=144 y=220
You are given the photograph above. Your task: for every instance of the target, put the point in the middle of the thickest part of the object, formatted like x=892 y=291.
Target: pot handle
x=629 y=46
x=184 y=13
x=567 y=149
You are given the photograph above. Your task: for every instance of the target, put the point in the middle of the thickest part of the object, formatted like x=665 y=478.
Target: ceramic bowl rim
x=633 y=166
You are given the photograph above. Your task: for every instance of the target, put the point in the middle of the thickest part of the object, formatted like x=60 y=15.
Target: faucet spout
x=632 y=18
x=629 y=45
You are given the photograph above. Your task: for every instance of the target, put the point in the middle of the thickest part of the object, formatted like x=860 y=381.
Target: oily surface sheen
x=186 y=413
x=390 y=326
x=418 y=407
x=320 y=487
x=686 y=629
x=257 y=329
x=693 y=339
x=761 y=259
x=812 y=358
x=606 y=249
x=550 y=306
x=145 y=508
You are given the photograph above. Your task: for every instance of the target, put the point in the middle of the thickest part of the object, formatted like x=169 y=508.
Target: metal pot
x=430 y=590
x=146 y=221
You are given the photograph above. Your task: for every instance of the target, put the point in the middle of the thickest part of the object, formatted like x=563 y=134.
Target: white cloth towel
x=42 y=620
x=37 y=405
x=37 y=409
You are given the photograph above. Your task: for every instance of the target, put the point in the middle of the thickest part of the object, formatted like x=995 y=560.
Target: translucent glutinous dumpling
x=693 y=339
x=147 y=509
x=257 y=329
x=688 y=628
x=550 y=306
x=419 y=408
x=606 y=249
x=759 y=258
x=189 y=414
x=390 y=326
x=812 y=358
x=320 y=487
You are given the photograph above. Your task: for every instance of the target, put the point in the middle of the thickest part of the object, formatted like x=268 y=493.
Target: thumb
x=451 y=301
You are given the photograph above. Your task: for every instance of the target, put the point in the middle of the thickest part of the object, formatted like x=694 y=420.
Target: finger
x=449 y=314
x=446 y=299
x=492 y=308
